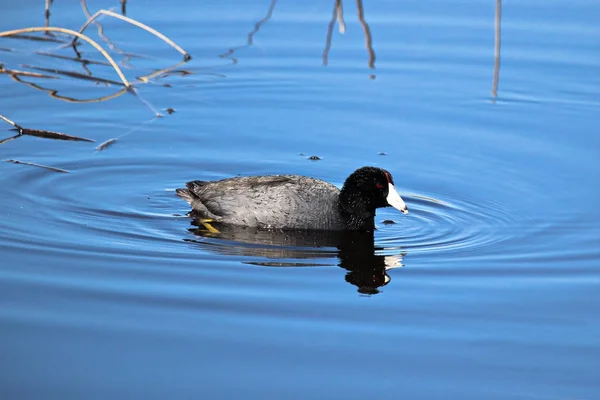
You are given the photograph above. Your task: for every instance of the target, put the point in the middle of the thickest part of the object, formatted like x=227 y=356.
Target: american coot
x=294 y=201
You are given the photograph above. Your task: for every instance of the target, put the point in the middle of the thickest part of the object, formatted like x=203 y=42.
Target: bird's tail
x=185 y=194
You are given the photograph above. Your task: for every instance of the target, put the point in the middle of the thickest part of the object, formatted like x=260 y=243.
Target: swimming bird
x=294 y=201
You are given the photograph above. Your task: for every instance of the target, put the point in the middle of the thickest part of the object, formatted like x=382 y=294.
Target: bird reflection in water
x=355 y=251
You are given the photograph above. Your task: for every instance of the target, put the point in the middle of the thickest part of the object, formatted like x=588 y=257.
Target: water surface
x=489 y=288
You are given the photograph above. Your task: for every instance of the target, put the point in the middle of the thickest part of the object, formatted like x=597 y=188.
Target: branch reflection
x=497 y=32
x=229 y=53
x=367 y=32
x=338 y=14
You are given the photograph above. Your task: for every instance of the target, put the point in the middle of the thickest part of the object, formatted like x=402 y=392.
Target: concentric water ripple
x=448 y=225
x=116 y=206
x=127 y=207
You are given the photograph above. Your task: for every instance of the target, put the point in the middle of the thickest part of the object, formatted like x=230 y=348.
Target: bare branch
x=78 y=35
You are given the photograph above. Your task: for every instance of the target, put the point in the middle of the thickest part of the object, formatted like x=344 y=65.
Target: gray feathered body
x=279 y=201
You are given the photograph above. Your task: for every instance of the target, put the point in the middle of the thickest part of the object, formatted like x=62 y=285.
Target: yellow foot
x=208 y=226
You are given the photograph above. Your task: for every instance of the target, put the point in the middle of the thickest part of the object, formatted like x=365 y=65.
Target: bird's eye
x=379 y=185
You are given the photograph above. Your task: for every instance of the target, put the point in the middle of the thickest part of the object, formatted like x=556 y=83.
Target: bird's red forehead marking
x=388 y=176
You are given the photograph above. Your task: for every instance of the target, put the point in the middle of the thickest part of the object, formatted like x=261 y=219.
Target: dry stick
x=104 y=145
x=54 y=135
x=497 y=50
x=368 y=38
x=78 y=35
x=37 y=165
x=9 y=139
x=186 y=55
x=17 y=126
x=123 y=7
x=339 y=9
x=43 y=133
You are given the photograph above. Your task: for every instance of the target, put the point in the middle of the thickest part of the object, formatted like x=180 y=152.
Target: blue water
x=488 y=289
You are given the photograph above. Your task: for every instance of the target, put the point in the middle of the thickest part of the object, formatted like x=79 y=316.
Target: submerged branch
x=54 y=93
x=42 y=133
x=9 y=139
x=55 y=169
x=53 y=135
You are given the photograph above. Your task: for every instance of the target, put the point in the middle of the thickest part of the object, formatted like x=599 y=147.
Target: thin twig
x=185 y=54
x=14 y=124
x=77 y=34
x=10 y=138
x=104 y=145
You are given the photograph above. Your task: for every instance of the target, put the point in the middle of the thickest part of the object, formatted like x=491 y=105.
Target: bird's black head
x=365 y=190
